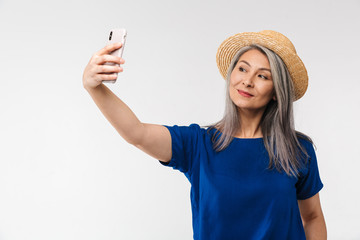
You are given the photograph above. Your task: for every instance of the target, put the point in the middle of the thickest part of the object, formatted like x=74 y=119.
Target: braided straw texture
x=275 y=41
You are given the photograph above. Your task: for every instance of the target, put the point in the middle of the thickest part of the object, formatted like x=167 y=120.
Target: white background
x=65 y=173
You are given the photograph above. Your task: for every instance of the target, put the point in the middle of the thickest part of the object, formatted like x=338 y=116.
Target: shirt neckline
x=241 y=139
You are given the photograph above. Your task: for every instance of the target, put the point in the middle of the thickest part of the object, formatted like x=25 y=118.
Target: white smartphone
x=116 y=35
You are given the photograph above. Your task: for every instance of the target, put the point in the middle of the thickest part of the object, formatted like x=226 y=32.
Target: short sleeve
x=309 y=182
x=184 y=144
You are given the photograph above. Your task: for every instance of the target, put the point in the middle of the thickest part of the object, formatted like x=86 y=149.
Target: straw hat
x=275 y=41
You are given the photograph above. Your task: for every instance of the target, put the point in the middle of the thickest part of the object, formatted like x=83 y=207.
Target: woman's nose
x=248 y=81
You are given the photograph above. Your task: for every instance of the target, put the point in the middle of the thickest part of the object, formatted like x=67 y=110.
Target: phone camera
x=110 y=35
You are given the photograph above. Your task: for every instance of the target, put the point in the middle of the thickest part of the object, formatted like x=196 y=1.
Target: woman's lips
x=245 y=94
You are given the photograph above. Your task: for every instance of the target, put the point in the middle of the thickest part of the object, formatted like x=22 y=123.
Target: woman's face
x=251 y=85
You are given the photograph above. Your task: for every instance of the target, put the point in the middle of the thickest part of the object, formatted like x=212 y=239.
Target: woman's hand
x=95 y=71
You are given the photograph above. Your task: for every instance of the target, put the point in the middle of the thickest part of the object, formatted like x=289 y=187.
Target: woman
x=252 y=175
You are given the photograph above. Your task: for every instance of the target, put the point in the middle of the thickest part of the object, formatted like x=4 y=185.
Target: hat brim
x=295 y=66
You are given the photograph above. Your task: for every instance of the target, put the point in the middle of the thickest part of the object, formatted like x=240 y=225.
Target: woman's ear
x=274 y=98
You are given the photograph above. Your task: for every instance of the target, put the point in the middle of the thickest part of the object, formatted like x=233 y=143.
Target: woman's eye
x=242 y=69
x=264 y=77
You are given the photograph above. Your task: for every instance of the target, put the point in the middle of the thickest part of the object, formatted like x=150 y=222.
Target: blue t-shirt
x=233 y=194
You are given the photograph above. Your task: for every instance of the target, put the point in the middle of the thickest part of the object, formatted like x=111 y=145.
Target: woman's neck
x=250 y=124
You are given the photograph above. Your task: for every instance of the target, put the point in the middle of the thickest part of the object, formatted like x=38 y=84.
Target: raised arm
x=153 y=139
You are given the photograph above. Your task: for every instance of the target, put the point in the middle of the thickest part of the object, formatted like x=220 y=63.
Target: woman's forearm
x=315 y=229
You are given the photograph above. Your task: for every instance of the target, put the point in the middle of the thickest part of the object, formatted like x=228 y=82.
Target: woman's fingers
x=106 y=77
x=107 y=69
x=109 y=48
x=108 y=58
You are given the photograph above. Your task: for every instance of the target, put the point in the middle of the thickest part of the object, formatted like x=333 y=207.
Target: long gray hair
x=277 y=123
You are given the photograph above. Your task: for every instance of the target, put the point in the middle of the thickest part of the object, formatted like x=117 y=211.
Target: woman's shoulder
x=304 y=140
x=307 y=148
x=205 y=131
x=193 y=129
x=198 y=127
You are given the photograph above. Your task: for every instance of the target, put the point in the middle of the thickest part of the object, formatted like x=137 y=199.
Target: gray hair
x=277 y=123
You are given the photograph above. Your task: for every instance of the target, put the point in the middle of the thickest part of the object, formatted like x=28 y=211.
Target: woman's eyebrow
x=266 y=69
